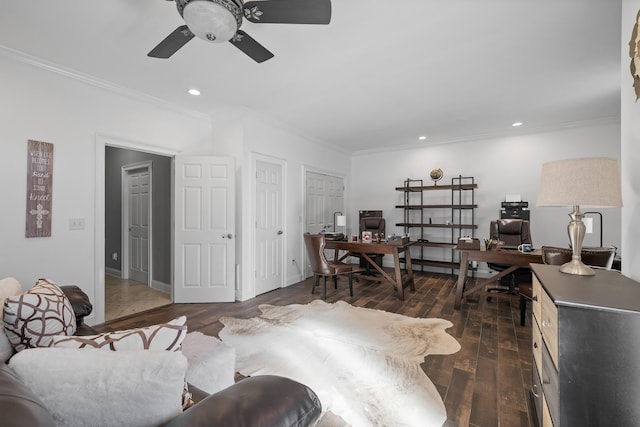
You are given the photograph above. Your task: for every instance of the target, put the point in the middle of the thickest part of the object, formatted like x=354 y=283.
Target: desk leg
x=396 y=265
x=407 y=262
x=462 y=277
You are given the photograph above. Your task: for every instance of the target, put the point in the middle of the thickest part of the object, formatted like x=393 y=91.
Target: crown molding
x=51 y=67
x=483 y=136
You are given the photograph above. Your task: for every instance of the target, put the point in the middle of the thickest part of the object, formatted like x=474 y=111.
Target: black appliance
x=515 y=210
x=376 y=258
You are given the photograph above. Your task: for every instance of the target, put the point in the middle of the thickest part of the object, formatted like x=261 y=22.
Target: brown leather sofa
x=264 y=400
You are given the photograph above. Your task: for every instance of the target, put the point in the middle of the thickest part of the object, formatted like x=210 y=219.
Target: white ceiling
x=378 y=76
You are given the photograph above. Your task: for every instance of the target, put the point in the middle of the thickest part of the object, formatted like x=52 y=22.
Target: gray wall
x=115 y=158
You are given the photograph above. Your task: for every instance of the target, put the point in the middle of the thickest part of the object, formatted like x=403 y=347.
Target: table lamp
x=580 y=182
x=339 y=220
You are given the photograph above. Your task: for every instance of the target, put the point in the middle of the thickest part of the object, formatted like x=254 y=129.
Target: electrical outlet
x=76 y=224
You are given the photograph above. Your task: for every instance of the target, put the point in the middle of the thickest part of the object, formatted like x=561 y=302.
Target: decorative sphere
x=436 y=174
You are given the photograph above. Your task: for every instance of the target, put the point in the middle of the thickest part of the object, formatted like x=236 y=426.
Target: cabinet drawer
x=536 y=394
x=537 y=347
x=550 y=387
x=536 y=307
x=549 y=325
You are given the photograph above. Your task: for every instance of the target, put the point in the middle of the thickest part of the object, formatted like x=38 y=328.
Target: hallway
x=125 y=297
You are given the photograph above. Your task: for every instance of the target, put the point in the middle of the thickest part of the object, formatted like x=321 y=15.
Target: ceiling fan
x=219 y=21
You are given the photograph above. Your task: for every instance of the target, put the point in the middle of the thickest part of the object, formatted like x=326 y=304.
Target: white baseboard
x=161 y=286
x=155 y=284
x=113 y=272
x=293 y=279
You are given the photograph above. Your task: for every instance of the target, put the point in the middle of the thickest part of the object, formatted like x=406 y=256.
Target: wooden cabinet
x=436 y=216
x=586 y=348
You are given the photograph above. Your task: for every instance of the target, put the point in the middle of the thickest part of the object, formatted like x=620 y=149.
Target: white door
x=315 y=186
x=269 y=247
x=324 y=196
x=204 y=254
x=138 y=214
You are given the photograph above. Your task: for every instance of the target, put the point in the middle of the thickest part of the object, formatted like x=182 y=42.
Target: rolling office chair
x=375 y=224
x=512 y=233
x=594 y=257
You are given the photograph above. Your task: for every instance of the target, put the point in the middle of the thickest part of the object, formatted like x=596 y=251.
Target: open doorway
x=137 y=231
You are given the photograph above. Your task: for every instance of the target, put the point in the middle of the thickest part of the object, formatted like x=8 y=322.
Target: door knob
x=280 y=232
x=227 y=236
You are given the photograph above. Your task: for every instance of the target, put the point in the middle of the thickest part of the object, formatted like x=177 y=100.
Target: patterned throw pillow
x=35 y=317
x=165 y=336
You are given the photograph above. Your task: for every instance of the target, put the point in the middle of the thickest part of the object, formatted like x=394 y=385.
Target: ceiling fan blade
x=252 y=48
x=288 y=11
x=174 y=41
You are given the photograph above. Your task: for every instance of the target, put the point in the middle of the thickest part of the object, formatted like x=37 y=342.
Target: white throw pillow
x=164 y=336
x=136 y=388
x=35 y=317
x=9 y=287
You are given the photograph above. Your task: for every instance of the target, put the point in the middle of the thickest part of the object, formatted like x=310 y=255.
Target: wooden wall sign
x=634 y=53
x=39 y=188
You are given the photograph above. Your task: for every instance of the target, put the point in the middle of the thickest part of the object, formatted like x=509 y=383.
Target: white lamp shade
x=210 y=21
x=341 y=220
x=580 y=182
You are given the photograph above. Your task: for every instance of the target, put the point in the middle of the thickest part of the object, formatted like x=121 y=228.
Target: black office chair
x=375 y=224
x=512 y=233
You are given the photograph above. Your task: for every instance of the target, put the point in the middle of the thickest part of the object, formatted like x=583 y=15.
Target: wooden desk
x=511 y=257
x=399 y=282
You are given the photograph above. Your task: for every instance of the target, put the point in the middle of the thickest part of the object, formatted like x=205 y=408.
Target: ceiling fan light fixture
x=210 y=20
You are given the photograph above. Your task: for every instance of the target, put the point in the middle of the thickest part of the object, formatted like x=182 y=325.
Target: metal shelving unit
x=462 y=214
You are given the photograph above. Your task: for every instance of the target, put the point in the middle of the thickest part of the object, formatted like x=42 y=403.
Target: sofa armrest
x=264 y=400
x=18 y=405
x=79 y=301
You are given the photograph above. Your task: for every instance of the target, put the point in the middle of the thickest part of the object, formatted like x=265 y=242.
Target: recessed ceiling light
x=422 y=138
x=194 y=92
x=516 y=124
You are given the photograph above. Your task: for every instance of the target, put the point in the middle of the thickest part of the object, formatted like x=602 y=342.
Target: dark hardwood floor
x=484 y=384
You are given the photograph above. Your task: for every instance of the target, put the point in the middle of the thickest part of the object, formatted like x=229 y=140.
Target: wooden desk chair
x=594 y=257
x=324 y=268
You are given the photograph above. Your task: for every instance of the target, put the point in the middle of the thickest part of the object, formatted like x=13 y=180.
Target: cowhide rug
x=364 y=364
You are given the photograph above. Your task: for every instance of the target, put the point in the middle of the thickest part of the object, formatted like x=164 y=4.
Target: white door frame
x=124 y=250
x=102 y=141
x=255 y=157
